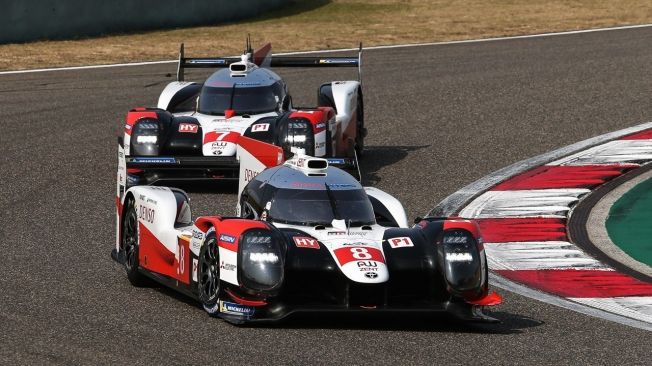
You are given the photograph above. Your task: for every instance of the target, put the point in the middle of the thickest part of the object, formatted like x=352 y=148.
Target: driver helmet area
x=258 y=91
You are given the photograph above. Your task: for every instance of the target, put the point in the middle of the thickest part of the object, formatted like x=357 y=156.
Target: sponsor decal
x=371 y=275
x=341 y=185
x=147 y=214
x=207 y=61
x=336 y=161
x=459 y=257
x=155 y=160
x=235 y=309
x=217 y=147
x=338 y=61
x=367 y=266
x=227 y=266
x=320 y=125
x=401 y=242
x=306 y=242
x=250 y=174
x=197 y=237
x=194 y=270
x=306 y=185
x=188 y=127
x=128 y=127
x=261 y=127
x=227 y=238
x=344 y=233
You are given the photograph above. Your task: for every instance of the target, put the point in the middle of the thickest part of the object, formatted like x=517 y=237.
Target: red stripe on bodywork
x=320 y=115
x=522 y=229
x=580 y=283
x=231 y=227
x=548 y=177
x=135 y=114
x=643 y=135
x=455 y=223
x=267 y=154
x=213 y=136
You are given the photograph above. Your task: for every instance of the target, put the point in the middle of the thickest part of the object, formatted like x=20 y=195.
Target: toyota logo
x=371 y=275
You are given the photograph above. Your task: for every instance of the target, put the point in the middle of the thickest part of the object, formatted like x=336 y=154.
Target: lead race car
x=308 y=237
x=195 y=129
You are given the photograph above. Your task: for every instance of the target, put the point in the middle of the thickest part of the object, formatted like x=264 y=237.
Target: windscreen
x=319 y=207
x=246 y=100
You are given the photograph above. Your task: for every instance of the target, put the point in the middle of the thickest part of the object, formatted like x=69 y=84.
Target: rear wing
x=262 y=58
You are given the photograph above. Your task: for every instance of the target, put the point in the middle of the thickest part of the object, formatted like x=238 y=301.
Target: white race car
x=196 y=128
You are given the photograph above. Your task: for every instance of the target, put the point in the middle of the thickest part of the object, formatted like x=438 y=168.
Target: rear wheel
x=130 y=244
x=208 y=274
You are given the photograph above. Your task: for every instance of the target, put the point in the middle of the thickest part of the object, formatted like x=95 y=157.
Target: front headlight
x=299 y=134
x=459 y=258
x=144 y=138
x=261 y=261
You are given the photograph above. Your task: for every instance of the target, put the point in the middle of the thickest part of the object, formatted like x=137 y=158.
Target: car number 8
x=360 y=253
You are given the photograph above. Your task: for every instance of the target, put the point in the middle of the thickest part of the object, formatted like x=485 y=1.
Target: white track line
x=348 y=49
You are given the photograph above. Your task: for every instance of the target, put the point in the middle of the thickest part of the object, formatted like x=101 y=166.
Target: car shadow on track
x=510 y=323
x=378 y=157
x=438 y=322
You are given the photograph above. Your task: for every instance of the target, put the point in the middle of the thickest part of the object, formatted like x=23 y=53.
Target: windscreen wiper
x=331 y=199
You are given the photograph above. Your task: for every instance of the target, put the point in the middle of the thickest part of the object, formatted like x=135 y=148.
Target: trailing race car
x=308 y=237
x=194 y=131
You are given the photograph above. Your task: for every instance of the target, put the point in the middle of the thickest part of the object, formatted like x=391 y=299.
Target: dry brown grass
x=323 y=24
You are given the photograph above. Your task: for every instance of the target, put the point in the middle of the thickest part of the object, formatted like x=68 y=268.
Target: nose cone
x=362 y=263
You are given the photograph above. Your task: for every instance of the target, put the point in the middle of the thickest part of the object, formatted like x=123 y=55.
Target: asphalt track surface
x=439 y=117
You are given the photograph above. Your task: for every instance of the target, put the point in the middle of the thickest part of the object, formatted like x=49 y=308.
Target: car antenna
x=248 y=50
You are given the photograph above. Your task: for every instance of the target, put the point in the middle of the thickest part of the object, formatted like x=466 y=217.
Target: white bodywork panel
x=345 y=97
x=156 y=208
x=169 y=92
x=391 y=203
x=121 y=184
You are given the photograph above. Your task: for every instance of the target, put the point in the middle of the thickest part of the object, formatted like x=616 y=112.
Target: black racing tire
x=208 y=274
x=130 y=244
x=361 y=131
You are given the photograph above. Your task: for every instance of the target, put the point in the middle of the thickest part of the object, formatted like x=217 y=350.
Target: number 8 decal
x=360 y=253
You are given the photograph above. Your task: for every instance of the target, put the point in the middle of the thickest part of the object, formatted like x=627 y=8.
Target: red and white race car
x=194 y=131
x=309 y=238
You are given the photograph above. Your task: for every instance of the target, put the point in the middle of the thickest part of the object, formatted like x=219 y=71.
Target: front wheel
x=208 y=274
x=130 y=244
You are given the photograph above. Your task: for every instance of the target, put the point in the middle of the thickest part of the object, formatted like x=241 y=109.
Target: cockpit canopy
x=321 y=207
x=292 y=197
x=259 y=91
